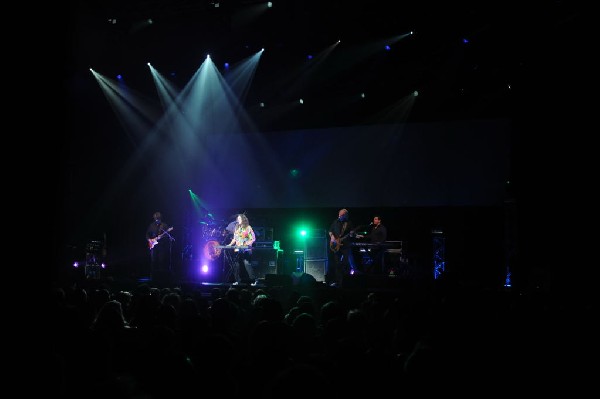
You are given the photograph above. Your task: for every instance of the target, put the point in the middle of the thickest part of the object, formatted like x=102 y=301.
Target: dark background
x=487 y=114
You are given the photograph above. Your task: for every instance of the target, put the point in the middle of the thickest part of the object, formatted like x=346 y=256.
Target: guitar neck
x=164 y=232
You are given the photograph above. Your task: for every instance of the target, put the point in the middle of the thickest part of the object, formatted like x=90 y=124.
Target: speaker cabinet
x=316 y=268
x=264 y=261
x=316 y=233
x=263 y=233
x=315 y=248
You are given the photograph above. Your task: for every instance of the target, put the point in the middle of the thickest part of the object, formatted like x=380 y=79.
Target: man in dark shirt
x=159 y=243
x=377 y=235
x=340 y=236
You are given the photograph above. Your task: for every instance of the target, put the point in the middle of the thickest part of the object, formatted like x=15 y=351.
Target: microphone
x=371 y=224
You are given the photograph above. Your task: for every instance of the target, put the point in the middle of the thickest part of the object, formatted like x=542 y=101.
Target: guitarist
x=340 y=236
x=159 y=240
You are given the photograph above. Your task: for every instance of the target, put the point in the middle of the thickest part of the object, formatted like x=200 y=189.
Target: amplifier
x=316 y=233
x=263 y=233
x=315 y=248
x=316 y=268
x=264 y=261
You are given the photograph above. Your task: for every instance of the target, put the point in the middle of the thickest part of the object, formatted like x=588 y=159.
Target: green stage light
x=300 y=229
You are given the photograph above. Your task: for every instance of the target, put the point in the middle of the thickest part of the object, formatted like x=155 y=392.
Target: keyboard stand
x=230 y=260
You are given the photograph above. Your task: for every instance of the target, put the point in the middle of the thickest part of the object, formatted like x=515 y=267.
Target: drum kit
x=211 y=232
x=214 y=234
x=212 y=250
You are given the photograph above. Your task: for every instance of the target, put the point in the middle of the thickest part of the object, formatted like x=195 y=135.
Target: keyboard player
x=243 y=238
x=377 y=236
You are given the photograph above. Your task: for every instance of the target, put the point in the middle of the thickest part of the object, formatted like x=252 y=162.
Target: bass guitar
x=153 y=241
x=336 y=243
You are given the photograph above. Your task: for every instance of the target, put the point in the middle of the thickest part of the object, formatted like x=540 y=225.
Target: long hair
x=245 y=221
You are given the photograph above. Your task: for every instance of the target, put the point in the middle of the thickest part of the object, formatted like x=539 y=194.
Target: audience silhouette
x=443 y=336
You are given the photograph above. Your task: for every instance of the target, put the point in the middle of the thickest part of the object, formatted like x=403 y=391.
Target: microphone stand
x=171 y=240
x=169 y=235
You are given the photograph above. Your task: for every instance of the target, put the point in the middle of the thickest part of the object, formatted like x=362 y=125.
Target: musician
x=340 y=236
x=377 y=235
x=243 y=236
x=160 y=242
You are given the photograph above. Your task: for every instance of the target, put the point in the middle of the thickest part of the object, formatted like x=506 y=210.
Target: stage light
x=302 y=230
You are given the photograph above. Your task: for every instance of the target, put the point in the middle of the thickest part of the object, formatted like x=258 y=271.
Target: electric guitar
x=336 y=243
x=153 y=241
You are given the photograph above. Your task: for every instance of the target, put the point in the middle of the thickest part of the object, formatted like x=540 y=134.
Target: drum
x=211 y=232
x=211 y=251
